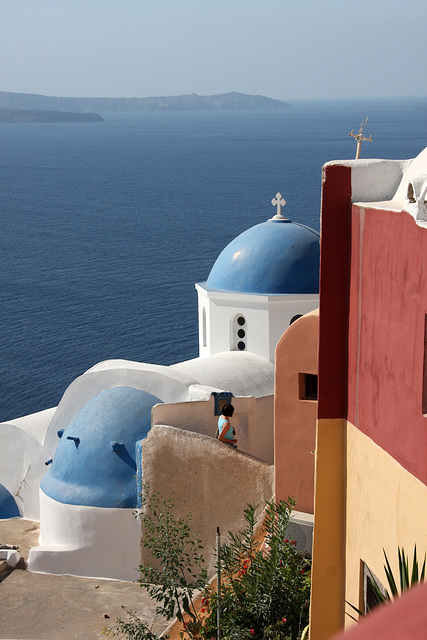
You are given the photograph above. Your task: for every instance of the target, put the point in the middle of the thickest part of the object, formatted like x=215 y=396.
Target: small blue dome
x=8 y=506
x=94 y=463
x=274 y=257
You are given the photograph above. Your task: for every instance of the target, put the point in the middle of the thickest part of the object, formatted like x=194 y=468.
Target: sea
x=106 y=226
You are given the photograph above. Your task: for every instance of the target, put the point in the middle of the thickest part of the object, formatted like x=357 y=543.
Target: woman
x=226 y=432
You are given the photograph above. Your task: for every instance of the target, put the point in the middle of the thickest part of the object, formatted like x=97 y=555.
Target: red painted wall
x=334 y=290
x=387 y=307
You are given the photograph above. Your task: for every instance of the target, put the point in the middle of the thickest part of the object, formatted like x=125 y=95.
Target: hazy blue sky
x=286 y=49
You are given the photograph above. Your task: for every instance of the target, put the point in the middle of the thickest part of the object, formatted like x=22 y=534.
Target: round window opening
x=241 y=321
x=241 y=333
x=299 y=315
x=241 y=346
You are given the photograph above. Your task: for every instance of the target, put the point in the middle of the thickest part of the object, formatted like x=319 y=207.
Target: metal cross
x=359 y=137
x=279 y=202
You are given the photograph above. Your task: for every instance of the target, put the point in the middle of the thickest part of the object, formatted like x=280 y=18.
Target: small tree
x=266 y=592
x=177 y=572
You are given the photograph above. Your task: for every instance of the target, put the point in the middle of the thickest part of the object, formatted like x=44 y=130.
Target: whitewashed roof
x=241 y=372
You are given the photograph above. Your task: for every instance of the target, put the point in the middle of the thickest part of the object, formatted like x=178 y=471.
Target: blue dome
x=8 y=506
x=94 y=462
x=275 y=257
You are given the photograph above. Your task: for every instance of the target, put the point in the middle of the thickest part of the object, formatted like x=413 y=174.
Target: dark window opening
x=241 y=321
x=241 y=346
x=298 y=315
x=370 y=585
x=241 y=333
x=307 y=386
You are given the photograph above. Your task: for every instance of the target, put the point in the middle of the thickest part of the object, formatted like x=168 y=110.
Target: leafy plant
x=407 y=579
x=265 y=592
x=176 y=573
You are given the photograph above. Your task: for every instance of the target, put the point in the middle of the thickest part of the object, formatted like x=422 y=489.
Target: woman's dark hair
x=228 y=410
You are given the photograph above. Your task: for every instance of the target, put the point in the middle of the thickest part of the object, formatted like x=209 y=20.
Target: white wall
x=93 y=542
x=22 y=460
x=267 y=317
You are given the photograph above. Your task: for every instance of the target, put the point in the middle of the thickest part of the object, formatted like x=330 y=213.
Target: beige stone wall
x=386 y=508
x=253 y=421
x=205 y=477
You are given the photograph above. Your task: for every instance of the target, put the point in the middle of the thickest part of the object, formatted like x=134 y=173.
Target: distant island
x=192 y=102
x=37 y=115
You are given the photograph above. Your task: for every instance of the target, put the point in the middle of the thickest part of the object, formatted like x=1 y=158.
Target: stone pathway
x=50 y=607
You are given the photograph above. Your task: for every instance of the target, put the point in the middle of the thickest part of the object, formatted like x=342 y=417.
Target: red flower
x=287 y=540
x=302 y=571
x=204 y=600
x=293 y=542
x=252 y=630
x=202 y=610
x=284 y=620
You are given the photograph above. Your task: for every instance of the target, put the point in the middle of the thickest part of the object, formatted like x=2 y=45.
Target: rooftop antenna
x=359 y=137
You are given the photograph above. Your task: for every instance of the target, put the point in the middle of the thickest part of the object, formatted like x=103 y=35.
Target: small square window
x=220 y=399
x=307 y=383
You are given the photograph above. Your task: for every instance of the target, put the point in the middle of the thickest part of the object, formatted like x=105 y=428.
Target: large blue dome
x=94 y=463
x=274 y=257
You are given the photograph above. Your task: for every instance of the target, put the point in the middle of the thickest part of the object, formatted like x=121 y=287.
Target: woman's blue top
x=229 y=435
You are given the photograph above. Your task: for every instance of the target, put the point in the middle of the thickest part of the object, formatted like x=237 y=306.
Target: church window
x=307 y=383
x=239 y=333
x=204 y=341
x=296 y=317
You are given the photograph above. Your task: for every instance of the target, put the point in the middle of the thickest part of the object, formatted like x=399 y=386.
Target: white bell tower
x=262 y=281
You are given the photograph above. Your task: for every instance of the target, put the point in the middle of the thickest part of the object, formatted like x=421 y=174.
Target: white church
x=78 y=468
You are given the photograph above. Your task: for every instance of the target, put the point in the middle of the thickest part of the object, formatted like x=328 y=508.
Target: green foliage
x=265 y=593
x=176 y=573
x=134 y=628
x=407 y=579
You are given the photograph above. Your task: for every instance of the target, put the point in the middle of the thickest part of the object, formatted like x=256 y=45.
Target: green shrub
x=266 y=592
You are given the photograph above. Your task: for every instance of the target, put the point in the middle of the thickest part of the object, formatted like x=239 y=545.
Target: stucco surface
x=242 y=373
x=205 y=477
x=252 y=419
x=327 y=585
x=385 y=510
x=295 y=418
x=86 y=541
x=387 y=310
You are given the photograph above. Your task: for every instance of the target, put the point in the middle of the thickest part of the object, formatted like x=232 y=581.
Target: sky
x=284 y=49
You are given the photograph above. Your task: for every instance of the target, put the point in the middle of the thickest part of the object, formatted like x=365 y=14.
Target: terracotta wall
x=295 y=418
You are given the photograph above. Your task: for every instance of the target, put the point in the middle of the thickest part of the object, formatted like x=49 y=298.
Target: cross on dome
x=279 y=202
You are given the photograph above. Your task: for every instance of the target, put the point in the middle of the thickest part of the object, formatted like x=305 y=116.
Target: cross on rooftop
x=359 y=137
x=279 y=202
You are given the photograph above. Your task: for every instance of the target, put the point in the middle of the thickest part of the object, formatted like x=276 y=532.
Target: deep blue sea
x=105 y=227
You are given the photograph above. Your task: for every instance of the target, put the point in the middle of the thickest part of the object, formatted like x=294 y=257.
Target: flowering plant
x=265 y=592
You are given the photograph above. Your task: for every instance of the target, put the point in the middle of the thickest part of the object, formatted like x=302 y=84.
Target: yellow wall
x=386 y=508
x=326 y=610
x=364 y=501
